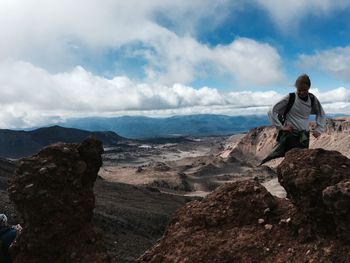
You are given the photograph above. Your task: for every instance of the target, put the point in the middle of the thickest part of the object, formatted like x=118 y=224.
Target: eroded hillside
x=259 y=142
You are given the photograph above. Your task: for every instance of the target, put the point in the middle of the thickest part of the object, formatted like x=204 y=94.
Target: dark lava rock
x=206 y=230
x=161 y=167
x=224 y=206
x=306 y=173
x=337 y=199
x=53 y=193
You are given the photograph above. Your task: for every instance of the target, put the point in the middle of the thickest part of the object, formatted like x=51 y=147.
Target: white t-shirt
x=298 y=116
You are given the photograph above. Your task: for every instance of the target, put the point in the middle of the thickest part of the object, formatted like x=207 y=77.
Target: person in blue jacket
x=8 y=235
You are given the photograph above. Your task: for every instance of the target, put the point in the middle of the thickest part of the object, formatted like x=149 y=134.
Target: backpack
x=282 y=117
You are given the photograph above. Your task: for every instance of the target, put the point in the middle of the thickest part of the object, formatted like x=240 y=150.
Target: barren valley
x=190 y=166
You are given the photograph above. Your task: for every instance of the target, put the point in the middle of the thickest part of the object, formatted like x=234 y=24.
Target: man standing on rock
x=291 y=117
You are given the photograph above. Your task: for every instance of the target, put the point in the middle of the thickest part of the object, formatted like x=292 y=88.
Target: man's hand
x=316 y=134
x=287 y=128
x=18 y=227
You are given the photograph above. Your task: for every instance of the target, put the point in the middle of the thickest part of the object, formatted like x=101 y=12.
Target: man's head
x=3 y=220
x=303 y=84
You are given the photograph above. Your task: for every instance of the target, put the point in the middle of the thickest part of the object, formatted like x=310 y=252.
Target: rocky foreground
x=54 y=193
x=242 y=222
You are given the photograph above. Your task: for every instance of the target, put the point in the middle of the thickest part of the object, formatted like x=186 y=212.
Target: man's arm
x=278 y=108
x=320 y=118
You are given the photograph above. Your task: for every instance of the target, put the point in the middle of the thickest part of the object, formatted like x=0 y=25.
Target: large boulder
x=337 y=199
x=53 y=193
x=209 y=230
x=305 y=174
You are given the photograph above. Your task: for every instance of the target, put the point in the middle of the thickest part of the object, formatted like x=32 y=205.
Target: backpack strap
x=312 y=98
x=290 y=104
x=282 y=118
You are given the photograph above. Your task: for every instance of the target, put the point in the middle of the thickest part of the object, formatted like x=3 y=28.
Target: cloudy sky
x=76 y=58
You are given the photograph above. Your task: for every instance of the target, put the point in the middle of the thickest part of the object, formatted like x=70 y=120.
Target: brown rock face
x=254 y=146
x=224 y=206
x=338 y=125
x=306 y=173
x=242 y=222
x=337 y=199
x=53 y=192
x=208 y=230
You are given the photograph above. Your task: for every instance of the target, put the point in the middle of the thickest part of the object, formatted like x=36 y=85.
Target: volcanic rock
x=337 y=199
x=209 y=230
x=254 y=146
x=232 y=225
x=337 y=125
x=161 y=167
x=53 y=193
x=305 y=174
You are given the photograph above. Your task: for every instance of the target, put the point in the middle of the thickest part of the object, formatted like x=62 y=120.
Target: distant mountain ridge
x=140 y=127
x=17 y=144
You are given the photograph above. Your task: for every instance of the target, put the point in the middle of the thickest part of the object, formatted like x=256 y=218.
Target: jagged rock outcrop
x=254 y=146
x=242 y=222
x=338 y=125
x=306 y=173
x=335 y=137
x=53 y=193
x=337 y=199
x=161 y=167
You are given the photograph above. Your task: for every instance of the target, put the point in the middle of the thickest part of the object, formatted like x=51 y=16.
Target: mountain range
x=140 y=127
x=17 y=144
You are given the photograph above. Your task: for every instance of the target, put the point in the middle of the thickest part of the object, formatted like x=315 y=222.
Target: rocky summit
x=53 y=193
x=242 y=222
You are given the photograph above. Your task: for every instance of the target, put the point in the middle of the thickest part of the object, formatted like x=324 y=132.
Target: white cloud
x=333 y=96
x=288 y=13
x=32 y=96
x=335 y=62
x=183 y=59
x=57 y=32
x=58 y=35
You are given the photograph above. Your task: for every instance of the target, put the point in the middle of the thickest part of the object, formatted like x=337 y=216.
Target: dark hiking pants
x=288 y=141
